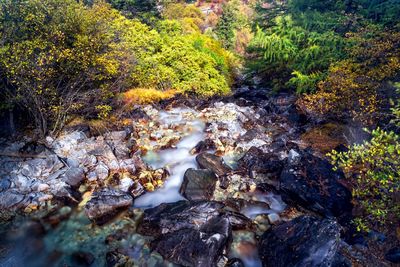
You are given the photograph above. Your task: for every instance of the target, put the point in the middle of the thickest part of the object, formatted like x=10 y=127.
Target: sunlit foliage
x=373 y=168
x=57 y=56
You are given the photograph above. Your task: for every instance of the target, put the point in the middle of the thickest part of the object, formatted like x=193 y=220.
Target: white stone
x=274 y=218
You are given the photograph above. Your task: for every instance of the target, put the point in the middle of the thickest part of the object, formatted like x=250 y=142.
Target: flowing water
x=78 y=234
x=176 y=160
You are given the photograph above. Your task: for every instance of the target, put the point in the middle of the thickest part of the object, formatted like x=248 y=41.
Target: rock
x=213 y=163
x=191 y=233
x=82 y=258
x=4 y=184
x=235 y=262
x=293 y=157
x=127 y=165
x=192 y=247
x=198 y=184
x=393 y=255
x=42 y=187
x=243 y=245
x=203 y=146
x=304 y=241
x=264 y=167
x=125 y=183
x=40 y=168
x=171 y=217
x=101 y=171
x=274 y=218
x=74 y=176
x=136 y=190
x=106 y=203
x=312 y=183
x=116 y=135
x=12 y=199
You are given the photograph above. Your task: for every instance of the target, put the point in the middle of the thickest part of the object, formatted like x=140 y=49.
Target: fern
x=304 y=83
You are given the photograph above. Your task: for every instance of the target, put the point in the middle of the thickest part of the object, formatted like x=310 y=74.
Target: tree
x=58 y=54
x=227 y=23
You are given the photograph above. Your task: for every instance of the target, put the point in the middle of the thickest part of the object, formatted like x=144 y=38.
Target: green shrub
x=373 y=168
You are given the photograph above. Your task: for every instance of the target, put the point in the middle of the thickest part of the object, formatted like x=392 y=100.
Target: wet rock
x=235 y=262
x=101 y=171
x=195 y=247
x=106 y=203
x=82 y=258
x=311 y=183
x=12 y=199
x=128 y=165
x=191 y=233
x=202 y=146
x=293 y=157
x=116 y=258
x=213 y=163
x=136 y=190
x=393 y=255
x=4 y=184
x=264 y=167
x=304 y=241
x=40 y=168
x=274 y=218
x=73 y=176
x=254 y=137
x=244 y=246
x=237 y=186
x=198 y=184
x=171 y=217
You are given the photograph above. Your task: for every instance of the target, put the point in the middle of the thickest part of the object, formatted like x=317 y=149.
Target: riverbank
x=228 y=182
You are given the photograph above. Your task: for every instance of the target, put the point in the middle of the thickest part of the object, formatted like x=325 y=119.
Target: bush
x=191 y=63
x=59 y=55
x=143 y=96
x=373 y=168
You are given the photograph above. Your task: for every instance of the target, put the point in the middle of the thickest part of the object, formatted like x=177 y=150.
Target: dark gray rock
x=5 y=183
x=80 y=258
x=311 y=182
x=264 y=166
x=393 y=255
x=235 y=262
x=203 y=146
x=198 y=184
x=106 y=203
x=74 y=176
x=213 y=163
x=304 y=241
x=192 y=247
x=191 y=233
x=171 y=217
x=11 y=200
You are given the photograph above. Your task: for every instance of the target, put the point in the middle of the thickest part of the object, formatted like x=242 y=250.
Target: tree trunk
x=11 y=121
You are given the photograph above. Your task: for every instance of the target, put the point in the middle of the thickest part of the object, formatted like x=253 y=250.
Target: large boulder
x=304 y=241
x=170 y=217
x=191 y=233
x=106 y=203
x=198 y=184
x=312 y=183
x=192 y=247
x=212 y=163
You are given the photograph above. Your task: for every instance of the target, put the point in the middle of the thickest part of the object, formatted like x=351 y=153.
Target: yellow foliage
x=143 y=96
x=353 y=85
